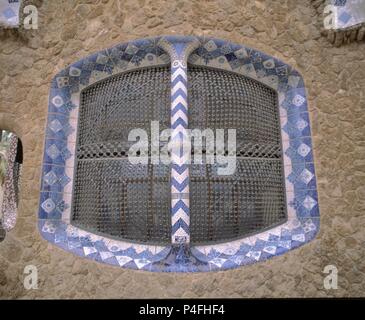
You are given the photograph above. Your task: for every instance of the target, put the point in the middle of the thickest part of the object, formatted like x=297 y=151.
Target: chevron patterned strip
x=179 y=86
x=180 y=216
x=180 y=208
x=178 y=169
x=180 y=177
x=183 y=194
x=179 y=72
x=179 y=107
x=179 y=100
x=180 y=224
x=179 y=114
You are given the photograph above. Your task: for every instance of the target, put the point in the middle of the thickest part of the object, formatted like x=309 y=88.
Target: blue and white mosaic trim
x=179 y=51
x=348 y=13
x=58 y=162
x=9 y=13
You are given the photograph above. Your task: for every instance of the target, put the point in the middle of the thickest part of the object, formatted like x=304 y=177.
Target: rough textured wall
x=335 y=78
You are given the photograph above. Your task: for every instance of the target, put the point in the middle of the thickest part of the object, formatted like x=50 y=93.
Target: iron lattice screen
x=223 y=208
x=111 y=195
x=132 y=202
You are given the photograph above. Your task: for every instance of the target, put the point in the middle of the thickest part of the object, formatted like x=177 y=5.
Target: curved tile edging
x=300 y=181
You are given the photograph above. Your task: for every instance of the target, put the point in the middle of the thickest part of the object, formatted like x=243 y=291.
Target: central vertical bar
x=179 y=48
x=180 y=215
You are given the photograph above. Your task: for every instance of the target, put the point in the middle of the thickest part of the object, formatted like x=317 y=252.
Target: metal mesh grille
x=132 y=202
x=252 y=199
x=111 y=195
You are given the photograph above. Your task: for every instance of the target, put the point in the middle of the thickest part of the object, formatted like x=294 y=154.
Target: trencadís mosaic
x=302 y=222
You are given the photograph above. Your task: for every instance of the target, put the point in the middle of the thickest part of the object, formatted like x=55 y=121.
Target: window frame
x=302 y=224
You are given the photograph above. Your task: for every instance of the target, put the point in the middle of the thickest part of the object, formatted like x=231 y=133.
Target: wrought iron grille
x=111 y=195
x=223 y=208
x=132 y=202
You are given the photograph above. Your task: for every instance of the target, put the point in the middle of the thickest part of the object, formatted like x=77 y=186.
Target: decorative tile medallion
x=58 y=162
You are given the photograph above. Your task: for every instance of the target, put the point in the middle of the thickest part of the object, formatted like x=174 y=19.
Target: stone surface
x=335 y=79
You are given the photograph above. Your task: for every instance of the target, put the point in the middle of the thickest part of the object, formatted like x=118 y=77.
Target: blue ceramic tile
x=306 y=203
x=297 y=125
x=58 y=127
x=302 y=176
x=52 y=205
x=54 y=178
x=60 y=96
x=56 y=152
x=300 y=150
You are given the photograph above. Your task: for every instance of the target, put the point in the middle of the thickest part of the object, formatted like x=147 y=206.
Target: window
x=132 y=202
x=11 y=153
x=178 y=216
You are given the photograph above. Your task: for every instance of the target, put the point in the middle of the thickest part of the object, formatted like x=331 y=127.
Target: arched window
x=11 y=153
x=178 y=215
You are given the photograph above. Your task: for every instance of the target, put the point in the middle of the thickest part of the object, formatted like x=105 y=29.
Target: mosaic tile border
x=58 y=160
x=349 y=13
x=9 y=13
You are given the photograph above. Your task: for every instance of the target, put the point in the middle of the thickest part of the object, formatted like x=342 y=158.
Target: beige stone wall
x=335 y=78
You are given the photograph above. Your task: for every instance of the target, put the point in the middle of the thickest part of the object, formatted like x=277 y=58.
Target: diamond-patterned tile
x=303 y=149
x=48 y=205
x=309 y=202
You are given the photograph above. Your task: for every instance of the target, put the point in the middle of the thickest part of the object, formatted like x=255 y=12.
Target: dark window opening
x=224 y=208
x=112 y=196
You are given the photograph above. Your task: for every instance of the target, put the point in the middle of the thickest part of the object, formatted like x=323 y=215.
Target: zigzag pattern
x=180 y=216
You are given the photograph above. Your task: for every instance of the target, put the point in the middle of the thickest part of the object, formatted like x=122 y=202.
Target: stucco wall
x=335 y=79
